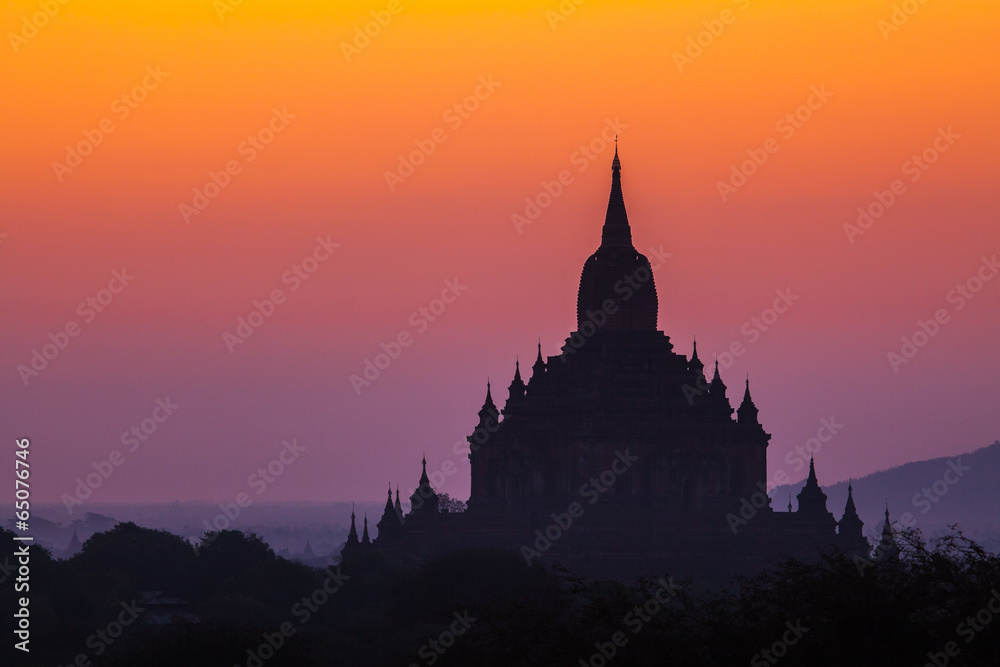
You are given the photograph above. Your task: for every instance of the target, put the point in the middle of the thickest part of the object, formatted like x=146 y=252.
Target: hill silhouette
x=936 y=492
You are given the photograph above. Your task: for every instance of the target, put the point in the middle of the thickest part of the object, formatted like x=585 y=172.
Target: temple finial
x=424 y=481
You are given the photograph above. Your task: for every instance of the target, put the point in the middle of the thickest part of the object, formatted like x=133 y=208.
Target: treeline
x=937 y=604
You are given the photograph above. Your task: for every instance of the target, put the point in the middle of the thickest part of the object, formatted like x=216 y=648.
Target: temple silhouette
x=618 y=457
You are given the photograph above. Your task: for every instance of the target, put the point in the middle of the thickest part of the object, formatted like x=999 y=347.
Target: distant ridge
x=962 y=489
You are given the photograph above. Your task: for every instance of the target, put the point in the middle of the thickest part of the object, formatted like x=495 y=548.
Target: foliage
x=847 y=611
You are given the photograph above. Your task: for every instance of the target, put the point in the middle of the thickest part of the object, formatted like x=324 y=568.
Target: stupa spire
x=538 y=369
x=352 y=534
x=616 y=232
x=747 y=412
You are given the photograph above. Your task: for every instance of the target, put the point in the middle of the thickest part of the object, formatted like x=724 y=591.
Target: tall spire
x=601 y=279
x=886 y=549
x=352 y=534
x=616 y=233
x=517 y=387
x=717 y=392
x=74 y=546
x=850 y=508
x=488 y=403
x=695 y=364
x=392 y=518
x=850 y=528
x=423 y=500
x=389 y=509
x=488 y=414
x=538 y=369
x=717 y=384
x=812 y=499
x=747 y=412
x=364 y=538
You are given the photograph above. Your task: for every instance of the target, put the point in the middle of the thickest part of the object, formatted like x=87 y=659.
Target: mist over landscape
x=934 y=499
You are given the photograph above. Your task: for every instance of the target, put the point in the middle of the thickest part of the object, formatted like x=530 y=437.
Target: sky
x=326 y=172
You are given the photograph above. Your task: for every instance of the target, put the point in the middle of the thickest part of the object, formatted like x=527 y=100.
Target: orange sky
x=346 y=116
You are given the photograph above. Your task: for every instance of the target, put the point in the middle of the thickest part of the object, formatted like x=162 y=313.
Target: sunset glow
x=185 y=165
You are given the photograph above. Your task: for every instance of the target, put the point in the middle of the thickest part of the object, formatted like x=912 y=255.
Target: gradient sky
x=684 y=124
